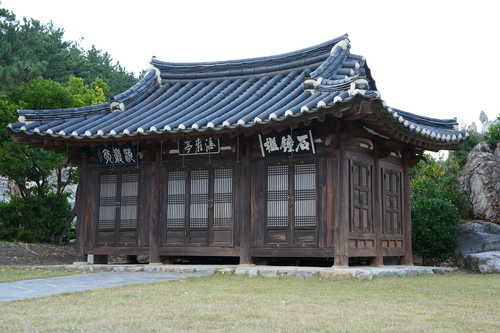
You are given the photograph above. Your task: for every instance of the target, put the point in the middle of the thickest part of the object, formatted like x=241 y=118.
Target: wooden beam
x=154 y=235
x=407 y=259
x=340 y=242
x=378 y=214
x=245 y=205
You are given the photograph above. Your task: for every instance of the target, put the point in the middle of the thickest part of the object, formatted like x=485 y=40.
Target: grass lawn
x=233 y=303
x=16 y=273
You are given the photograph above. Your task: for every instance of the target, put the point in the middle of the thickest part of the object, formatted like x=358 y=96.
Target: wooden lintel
x=307 y=122
x=321 y=118
x=281 y=128
x=249 y=133
x=265 y=131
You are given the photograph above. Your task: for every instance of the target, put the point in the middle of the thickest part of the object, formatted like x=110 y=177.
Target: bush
x=438 y=179
x=492 y=135
x=434 y=227
x=41 y=220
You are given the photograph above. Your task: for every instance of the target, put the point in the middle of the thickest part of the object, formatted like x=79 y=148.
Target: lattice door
x=392 y=202
x=118 y=208
x=291 y=217
x=199 y=207
x=361 y=199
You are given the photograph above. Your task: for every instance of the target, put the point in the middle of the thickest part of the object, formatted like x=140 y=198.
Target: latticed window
x=392 y=202
x=118 y=208
x=199 y=206
x=291 y=203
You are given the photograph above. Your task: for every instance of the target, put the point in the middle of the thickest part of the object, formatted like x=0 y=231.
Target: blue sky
x=433 y=58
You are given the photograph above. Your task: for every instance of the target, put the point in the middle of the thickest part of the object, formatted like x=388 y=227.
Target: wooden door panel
x=199 y=206
x=291 y=204
x=361 y=198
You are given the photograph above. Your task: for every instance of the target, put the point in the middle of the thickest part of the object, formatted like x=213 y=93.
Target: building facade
x=287 y=156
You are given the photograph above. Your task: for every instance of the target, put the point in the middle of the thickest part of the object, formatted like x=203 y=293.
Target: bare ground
x=22 y=254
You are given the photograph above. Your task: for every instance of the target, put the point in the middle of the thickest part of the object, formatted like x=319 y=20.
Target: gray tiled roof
x=186 y=97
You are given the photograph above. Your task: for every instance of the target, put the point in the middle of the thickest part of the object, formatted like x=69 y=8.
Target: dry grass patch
x=231 y=303
x=16 y=273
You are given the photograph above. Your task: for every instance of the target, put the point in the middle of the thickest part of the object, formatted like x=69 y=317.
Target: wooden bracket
x=385 y=152
x=353 y=143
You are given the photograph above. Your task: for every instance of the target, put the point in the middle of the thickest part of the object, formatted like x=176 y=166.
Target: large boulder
x=477 y=237
x=487 y=262
x=480 y=181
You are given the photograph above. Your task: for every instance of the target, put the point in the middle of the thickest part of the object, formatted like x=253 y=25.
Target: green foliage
x=29 y=49
x=460 y=156
x=42 y=94
x=492 y=135
x=85 y=95
x=100 y=65
x=39 y=220
x=436 y=206
x=40 y=211
x=434 y=227
x=438 y=179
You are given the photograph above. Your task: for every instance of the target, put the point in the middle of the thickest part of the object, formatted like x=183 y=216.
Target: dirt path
x=36 y=254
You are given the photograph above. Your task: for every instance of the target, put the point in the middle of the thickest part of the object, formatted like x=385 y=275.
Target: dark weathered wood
x=154 y=237
x=340 y=243
x=203 y=251
x=117 y=250
x=291 y=252
x=330 y=202
x=245 y=204
x=81 y=210
x=407 y=258
x=377 y=211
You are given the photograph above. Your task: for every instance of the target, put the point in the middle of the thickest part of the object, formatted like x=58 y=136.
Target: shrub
x=492 y=135
x=42 y=219
x=434 y=227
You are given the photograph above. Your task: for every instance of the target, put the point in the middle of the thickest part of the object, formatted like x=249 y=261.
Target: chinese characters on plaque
x=199 y=146
x=122 y=155
x=286 y=143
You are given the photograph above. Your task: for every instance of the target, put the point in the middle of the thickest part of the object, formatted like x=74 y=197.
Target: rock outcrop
x=477 y=237
x=479 y=246
x=487 y=262
x=480 y=181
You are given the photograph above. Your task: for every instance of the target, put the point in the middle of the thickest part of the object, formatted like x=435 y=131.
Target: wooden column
x=407 y=259
x=154 y=228
x=245 y=202
x=378 y=214
x=340 y=236
x=82 y=202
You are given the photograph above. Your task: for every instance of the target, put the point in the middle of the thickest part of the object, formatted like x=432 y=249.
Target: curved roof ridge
x=197 y=67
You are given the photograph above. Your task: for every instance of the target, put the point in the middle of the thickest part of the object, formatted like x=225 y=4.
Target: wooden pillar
x=378 y=214
x=82 y=202
x=245 y=203
x=340 y=236
x=407 y=259
x=154 y=228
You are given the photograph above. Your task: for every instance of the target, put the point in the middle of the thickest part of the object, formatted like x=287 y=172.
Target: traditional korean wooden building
x=287 y=156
